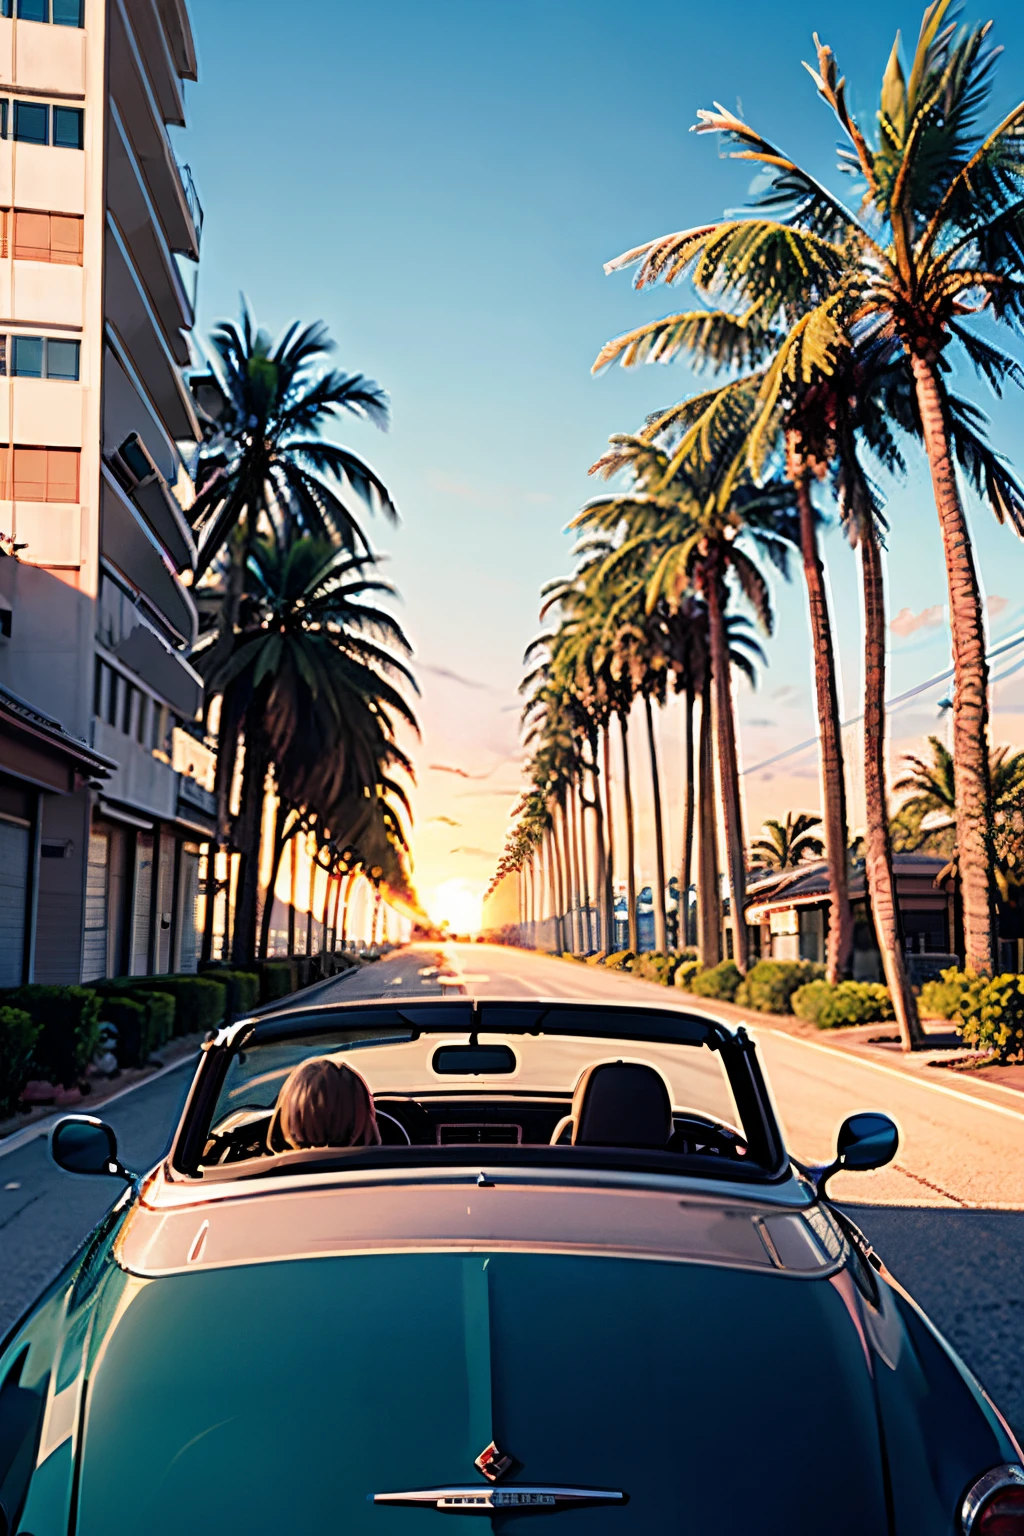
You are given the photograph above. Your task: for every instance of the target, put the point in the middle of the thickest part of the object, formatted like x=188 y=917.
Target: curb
x=44 y=1126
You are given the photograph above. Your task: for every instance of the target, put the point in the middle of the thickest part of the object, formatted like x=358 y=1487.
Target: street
x=948 y=1218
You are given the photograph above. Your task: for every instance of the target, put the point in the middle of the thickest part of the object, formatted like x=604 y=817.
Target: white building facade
x=103 y=806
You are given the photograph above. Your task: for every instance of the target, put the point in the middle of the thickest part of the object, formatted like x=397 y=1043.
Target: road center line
x=880 y=1066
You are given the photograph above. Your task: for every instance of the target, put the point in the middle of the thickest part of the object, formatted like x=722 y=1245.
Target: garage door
x=14 y=866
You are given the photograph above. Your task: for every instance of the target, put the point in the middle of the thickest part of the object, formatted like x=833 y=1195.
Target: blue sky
x=441 y=181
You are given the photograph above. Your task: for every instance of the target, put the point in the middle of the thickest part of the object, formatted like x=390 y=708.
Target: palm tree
x=938 y=239
x=788 y=843
x=263 y=465
x=313 y=668
x=691 y=539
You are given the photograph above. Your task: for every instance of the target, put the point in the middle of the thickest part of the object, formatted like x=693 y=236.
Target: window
x=40 y=474
x=31 y=122
x=54 y=237
x=69 y=127
x=41 y=357
x=27 y=357
x=63 y=13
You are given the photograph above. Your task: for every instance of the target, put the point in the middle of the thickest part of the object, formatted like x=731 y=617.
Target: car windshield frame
x=635 y=1024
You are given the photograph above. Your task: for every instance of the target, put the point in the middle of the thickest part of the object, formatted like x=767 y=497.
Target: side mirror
x=83 y=1144
x=867 y=1140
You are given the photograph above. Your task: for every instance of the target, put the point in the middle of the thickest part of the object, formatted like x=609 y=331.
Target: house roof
x=808 y=884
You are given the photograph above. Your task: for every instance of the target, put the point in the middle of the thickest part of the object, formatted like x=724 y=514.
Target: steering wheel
x=697 y=1135
x=402 y=1122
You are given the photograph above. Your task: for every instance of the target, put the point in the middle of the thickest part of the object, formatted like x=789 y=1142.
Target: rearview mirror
x=474 y=1060
x=83 y=1144
x=866 y=1140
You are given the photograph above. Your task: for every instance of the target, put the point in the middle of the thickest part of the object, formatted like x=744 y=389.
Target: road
x=948 y=1218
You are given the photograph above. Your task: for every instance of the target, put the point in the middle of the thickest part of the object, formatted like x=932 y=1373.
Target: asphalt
x=948 y=1218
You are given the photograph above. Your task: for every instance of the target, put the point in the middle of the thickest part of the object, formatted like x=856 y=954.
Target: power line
x=892 y=705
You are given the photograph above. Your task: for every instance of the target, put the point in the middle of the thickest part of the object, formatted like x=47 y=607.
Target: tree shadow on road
x=964 y=1268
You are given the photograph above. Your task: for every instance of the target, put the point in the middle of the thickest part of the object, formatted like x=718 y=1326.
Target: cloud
x=485 y=495
x=446 y=821
x=473 y=853
x=761 y=724
x=449 y=676
x=908 y=623
x=787 y=694
x=462 y=773
x=997 y=605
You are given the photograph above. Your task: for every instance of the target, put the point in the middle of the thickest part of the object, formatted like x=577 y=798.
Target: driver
x=325 y=1103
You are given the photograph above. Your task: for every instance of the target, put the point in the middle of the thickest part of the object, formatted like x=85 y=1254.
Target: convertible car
x=580 y=1278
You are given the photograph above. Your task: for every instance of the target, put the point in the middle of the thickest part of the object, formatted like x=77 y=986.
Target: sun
x=459 y=904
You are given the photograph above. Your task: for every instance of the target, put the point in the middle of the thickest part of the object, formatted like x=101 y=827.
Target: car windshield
x=445 y=1078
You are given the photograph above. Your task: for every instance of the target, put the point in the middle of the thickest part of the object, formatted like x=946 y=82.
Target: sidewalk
x=880 y=1043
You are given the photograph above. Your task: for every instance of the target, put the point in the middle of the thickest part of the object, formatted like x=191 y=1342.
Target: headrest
x=621 y=1104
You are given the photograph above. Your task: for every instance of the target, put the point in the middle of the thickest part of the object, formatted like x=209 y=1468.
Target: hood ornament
x=494 y=1463
x=485 y=1501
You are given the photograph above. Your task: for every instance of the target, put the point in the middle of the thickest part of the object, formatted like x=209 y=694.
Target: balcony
x=143 y=122
x=133 y=550
x=137 y=222
x=140 y=779
x=132 y=639
x=138 y=330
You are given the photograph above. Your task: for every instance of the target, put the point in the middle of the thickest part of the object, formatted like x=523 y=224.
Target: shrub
x=850 y=1002
x=657 y=967
x=69 y=1029
x=991 y=1014
x=686 y=970
x=769 y=985
x=942 y=999
x=621 y=960
x=18 y=1035
x=721 y=981
x=596 y=959
x=130 y=1016
x=277 y=979
x=199 y=1001
x=243 y=990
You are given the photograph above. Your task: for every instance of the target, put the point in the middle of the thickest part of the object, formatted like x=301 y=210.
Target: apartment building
x=104 y=799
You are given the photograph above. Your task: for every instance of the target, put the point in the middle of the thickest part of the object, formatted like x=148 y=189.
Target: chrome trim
x=1010 y=1475
x=474 y=1500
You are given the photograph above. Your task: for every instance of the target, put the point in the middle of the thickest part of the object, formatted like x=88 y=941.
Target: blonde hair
x=325 y=1103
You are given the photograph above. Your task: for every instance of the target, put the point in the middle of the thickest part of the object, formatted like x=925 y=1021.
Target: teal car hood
x=279 y=1398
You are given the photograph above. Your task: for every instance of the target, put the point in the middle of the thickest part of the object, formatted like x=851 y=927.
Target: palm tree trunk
x=728 y=767
x=609 y=877
x=353 y=877
x=569 y=890
x=830 y=742
x=552 y=863
x=576 y=910
x=660 y=917
x=248 y=833
x=598 y=940
x=686 y=870
x=280 y=819
x=581 y=811
x=339 y=880
x=970 y=678
x=878 y=849
x=627 y=791
x=709 y=901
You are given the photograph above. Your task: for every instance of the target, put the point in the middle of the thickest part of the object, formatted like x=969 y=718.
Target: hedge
x=243 y=990
x=620 y=960
x=721 y=982
x=657 y=967
x=18 y=1035
x=769 y=985
x=277 y=979
x=199 y=1001
x=849 y=1002
x=131 y=1018
x=69 y=1029
x=942 y=999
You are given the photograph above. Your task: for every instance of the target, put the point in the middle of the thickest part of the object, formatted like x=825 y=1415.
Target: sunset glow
x=457 y=903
